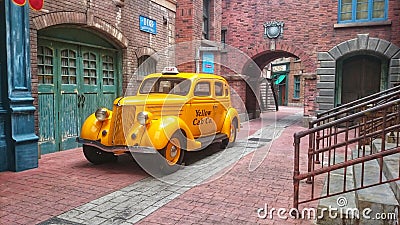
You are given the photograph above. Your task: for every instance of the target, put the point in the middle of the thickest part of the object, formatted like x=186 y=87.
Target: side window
x=202 y=89
x=219 y=89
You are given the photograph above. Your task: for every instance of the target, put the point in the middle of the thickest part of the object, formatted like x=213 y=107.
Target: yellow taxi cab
x=171 y=113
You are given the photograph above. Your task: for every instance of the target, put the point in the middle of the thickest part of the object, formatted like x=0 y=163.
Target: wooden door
x=67 y=96
x=47 y=98
x=221 y=103
x=361 y=76
x=73 y=82
x=201 y=110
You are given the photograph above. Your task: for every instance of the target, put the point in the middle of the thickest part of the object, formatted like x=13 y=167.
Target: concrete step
x=378 y=199
x=345 y=214
x=390 y=166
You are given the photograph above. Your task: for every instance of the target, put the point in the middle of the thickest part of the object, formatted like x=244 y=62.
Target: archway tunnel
x=253 y=70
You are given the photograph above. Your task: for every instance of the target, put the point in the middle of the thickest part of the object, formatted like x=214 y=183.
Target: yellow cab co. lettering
x=205 y=120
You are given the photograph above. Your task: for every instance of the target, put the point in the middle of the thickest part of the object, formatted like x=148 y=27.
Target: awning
x=280 y=79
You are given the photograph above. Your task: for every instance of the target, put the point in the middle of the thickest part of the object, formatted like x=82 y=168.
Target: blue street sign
x=147 y=25
x=208 y=62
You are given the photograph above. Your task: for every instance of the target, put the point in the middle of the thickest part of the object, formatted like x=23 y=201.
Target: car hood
x=152 y=99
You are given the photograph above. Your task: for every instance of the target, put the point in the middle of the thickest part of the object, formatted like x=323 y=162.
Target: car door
x=220 y=104
x=200 y=116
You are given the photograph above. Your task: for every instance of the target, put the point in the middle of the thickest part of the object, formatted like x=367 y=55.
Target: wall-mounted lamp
x=165 y=20
x=119 y=3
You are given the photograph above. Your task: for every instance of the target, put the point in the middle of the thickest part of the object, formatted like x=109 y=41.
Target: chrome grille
x=124 y=117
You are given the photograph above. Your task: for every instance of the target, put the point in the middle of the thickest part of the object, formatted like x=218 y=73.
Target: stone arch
x=328 y=62
x=77 y=18
x=281 y=47
x=141 y=51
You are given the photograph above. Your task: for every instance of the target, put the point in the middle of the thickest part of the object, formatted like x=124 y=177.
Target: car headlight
x=144 y=118
x=102 y=114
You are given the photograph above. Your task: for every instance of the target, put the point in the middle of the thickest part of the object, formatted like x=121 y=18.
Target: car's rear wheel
x=229 y=142
x=174 y=152
x=97 y=156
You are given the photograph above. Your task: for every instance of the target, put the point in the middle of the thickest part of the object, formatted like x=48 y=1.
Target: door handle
x=83 y=100
x=79 y=100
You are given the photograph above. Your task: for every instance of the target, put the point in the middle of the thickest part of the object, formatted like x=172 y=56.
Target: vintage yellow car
x=171 y=113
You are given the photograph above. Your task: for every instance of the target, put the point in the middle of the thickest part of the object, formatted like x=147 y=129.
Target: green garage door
x=74 y=80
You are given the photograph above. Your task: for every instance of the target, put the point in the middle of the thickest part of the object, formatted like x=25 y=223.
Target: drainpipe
x=197 y=60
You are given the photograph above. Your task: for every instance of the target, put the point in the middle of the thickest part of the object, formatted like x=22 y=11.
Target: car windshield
x=177 y=86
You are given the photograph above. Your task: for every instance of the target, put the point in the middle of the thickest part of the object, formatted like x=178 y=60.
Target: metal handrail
x=323 y=117
x=331 y=136
x=358 y=101
x=273 y=89
x=345 y=119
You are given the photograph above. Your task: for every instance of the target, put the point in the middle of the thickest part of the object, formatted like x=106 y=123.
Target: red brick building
x=342 y=45
x=85 y=53
x=339 y=46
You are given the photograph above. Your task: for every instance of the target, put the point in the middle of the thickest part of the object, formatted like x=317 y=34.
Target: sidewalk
x=66 y=189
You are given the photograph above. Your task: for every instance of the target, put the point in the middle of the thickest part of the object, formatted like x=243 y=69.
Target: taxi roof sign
x=170 y=70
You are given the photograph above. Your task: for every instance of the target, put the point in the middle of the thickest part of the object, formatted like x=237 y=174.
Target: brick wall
x=309 y=26
x=310 y=94
x=238 y=93
x=189 y=28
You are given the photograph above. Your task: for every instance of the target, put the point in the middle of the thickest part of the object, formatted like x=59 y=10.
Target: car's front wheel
x=174 y=152
x=97 y=156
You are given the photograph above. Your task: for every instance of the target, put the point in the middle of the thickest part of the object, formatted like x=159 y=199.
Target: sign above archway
x=34 y=4
x=273 y=29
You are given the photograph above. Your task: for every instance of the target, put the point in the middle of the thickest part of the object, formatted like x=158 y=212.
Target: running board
x=207 y=140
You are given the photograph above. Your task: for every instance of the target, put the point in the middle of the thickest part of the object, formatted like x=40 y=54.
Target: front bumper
x=132 y=149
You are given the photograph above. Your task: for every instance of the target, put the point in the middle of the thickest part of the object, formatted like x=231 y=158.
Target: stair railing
x=274 y=92
x=345 y=107
x=351 y=108
x=337 y=136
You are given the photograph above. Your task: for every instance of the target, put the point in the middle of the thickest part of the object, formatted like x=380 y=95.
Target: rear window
x=202 y=89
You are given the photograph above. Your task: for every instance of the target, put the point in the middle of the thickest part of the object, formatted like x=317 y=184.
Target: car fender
x=91 y=128
x=230 y=115
x=159 y=132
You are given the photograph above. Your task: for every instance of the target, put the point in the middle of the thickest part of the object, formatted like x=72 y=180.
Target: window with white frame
x=351 y=11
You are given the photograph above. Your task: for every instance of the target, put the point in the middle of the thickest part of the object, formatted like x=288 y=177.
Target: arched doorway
x=78 y=71
x=360 y=76
x=254 y=69
x=370 y=52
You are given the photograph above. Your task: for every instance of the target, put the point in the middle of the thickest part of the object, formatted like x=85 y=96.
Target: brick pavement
x=63 y=181
x=69 y=190
x=235 y=197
